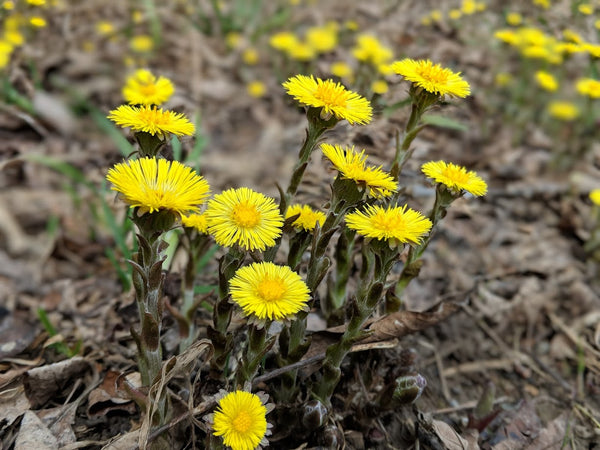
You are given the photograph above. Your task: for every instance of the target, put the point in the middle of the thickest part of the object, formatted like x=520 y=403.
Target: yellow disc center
x=246 y=216
x=148 y=90
x=386 y=223
x=155 y=117
x=271 y=290
x=435 y=75
x=242 y=422
x=329 y=95
x=456 y=176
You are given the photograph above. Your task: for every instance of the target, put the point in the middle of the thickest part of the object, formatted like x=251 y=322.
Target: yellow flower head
x=143 y=88
x=595 y=197
x=301 y=52
x=341 y=69
x=468 y=7
x=283 y=41
x=379 y=87
x=432 y=77
x=233 y=39
x=586 y=8
x=196 y=221
x=514 y=18
x=322 y=39
x=397 y=225
x=589 y=87
x=157 y=184
x=151 y=119
x=256 y=89
x=37 y=22
x=250 y=56
x=104 y=27
x=267 y=291
x=370 y=50
x=244 y=217
x=561 y=110
x=36 y=2
x=352 y=165
x=331 y=97
x=456 y=178
x=455 y=14
x=546 y=81
x=141 y=43
x=241 y=420
x=308 y=218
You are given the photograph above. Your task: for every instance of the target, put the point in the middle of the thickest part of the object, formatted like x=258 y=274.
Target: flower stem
x=148 y=280
x=222 y=340
x=367 y=299
x=412 y=266
x=316 y=127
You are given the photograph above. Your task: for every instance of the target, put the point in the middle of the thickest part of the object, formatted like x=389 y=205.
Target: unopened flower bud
x=409 y=388
x=315 y=414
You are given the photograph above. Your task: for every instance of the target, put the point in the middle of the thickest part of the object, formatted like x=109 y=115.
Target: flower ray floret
x=352 y=165
x=267 y=291
x=151 y=119
x=333 y=98
x=157 y=184
x=244 y=217
x=307 y=218
x=143 y=88
x=397 y=224
x=432 y=77
x=456 y=178
x=240 y=419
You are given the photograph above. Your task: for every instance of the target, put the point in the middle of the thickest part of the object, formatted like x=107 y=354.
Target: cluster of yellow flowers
x=534 y=43
x=250 y=222
x=137 y=44
x=466 y=8
x=18 y=21
x=317 y=40
x=548 y=51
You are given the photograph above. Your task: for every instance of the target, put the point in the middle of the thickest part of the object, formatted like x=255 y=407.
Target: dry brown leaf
x=16 y=334
x=105 y=398
x=59 y=421
x=402 y=323
x=451 y=439
x=42 y=383
x=33 y=434
x=13 y=403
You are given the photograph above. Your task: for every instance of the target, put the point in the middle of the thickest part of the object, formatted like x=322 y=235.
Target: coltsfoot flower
x=157 y=184
x=143 y=88
x=546 y=81
x=308 y=218
x=267 y=291
x=352 y=165
x=152 y=120
x=432 y=77
x=240 y=419
x=196 y=221
x=595 y=197
x=333 y=98
x=456 y=178
x=244 y=217
x=397 y=225
x=370 y=50
x=562 y=110
x=589 y=87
